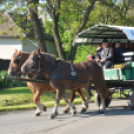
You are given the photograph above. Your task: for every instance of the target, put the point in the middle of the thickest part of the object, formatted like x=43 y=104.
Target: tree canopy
x=64 y=19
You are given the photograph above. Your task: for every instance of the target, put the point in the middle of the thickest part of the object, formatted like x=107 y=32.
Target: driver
x=104 y=57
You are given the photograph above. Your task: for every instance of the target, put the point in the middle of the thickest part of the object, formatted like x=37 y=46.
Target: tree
x=128 y=16
x=33 y=9
x=56 y=9
x=68 y=18
x=82 y=25
x=82 y=14
x=20 y=9
x=53 y=9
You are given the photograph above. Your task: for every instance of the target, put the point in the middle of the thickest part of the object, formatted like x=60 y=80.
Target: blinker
x=36 y=57
x=16 y=61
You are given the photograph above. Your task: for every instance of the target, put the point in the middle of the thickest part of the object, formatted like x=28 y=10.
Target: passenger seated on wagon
x=117 y=51
x=104 y=57
x=123 y=45
x=130 y=46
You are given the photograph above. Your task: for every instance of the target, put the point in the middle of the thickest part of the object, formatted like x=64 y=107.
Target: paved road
x=119 y=119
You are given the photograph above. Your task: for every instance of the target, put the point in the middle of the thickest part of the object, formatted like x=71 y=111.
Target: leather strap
x=67 y=78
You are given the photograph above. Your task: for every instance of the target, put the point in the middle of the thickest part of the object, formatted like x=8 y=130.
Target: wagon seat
x=126 y=64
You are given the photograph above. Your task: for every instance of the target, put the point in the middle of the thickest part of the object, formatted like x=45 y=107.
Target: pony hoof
x=56 y=114
x=66 y=111
x=52 y=116
x=45 y=109
x=83 y=110
x=74 y=107
x=73 y=113
x=37 y=114
x=101 y=112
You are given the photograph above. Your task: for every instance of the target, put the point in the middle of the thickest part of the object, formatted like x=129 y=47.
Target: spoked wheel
x=130 y=100
x=98 y=100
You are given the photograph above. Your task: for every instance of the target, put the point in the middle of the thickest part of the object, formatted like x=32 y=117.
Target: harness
x=73 y=77
x=40 y=70
x=58 y=64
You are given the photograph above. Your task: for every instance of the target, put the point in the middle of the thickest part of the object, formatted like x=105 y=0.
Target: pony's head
x=17 y=60
x=36 y=61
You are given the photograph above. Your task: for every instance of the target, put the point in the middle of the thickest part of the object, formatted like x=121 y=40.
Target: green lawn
x=21 y=98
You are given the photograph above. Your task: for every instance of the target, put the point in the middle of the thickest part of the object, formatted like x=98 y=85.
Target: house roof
x=95 y=35
x=12 y=26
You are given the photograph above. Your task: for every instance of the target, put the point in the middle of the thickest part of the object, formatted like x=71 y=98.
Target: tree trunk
x=72 y=55
x=36 y=24
x=83 y=24
x=57 y=39
x=54 y=11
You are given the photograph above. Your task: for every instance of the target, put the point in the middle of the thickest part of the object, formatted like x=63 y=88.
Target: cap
x=104 y=40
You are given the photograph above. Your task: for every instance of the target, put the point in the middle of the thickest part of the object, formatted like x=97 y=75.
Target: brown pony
x=17 y=60
x=63 y=75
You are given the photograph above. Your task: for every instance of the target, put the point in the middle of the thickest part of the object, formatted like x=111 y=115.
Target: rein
x=68 y=78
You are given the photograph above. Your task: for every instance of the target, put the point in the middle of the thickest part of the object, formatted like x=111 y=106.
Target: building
x=10 y=33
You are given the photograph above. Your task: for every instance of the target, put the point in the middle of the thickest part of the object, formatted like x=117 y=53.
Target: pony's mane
x=25 y=53
x=51 y=55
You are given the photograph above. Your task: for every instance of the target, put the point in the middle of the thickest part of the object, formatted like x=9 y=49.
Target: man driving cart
x=104 y=56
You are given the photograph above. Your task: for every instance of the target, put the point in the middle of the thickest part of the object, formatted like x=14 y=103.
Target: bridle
x=39 y=70
x=17 y=61
x=35 y=58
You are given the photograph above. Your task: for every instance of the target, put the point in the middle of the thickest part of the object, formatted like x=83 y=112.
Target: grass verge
x=21 y=98
x=31 y=105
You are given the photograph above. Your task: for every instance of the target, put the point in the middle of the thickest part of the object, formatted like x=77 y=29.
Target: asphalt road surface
x=118 y=119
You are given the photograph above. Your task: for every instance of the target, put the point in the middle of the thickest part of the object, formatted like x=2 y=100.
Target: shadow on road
x=111 y=111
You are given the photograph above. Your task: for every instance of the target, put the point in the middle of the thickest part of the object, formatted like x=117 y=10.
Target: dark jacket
x=117 y=53
x=106 y=53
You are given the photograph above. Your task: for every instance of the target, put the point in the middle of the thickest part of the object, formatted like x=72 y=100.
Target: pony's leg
x=35 y=99
x=88 y=93
x=57 y=101
x=84 y=101
x=64 y=96
x=87 y=90
x=73 y=95
x=100 y=85
x=102 y=106
x=40 y=106
x=102 y=97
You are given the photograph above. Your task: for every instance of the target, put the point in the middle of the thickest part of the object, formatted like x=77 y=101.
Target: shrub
x=3 y=82
x=9 y=83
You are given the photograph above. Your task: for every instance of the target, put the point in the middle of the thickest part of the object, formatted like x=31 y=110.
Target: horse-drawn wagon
x=63 y=75
x=121 y=76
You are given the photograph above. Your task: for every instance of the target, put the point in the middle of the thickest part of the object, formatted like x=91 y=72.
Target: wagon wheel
x=130 y=100
x=98 y=100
